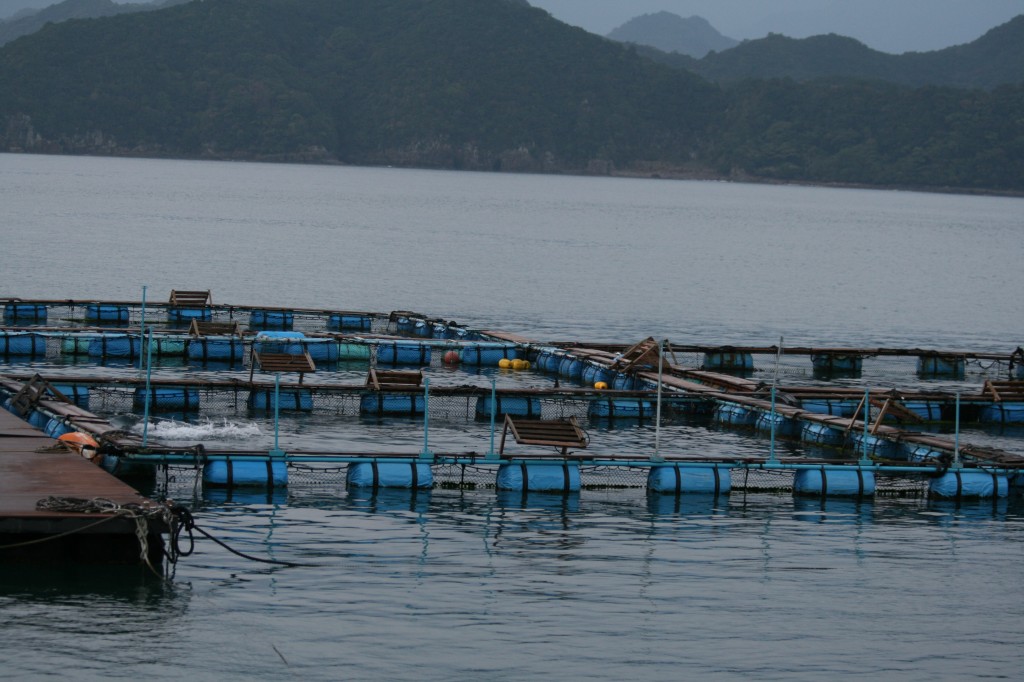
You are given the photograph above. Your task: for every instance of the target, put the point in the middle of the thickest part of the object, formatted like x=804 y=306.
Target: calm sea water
x=478 y=584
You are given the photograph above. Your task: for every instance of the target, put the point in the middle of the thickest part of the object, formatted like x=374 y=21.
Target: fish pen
x=404 y=400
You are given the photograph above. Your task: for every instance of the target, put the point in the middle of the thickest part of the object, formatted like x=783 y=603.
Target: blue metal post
x=771 y=441
x=149 y=374
x=491 y=454
x=956 y=438
x=867 y=418
x=426 y=453
x=142 y=323
x=657 y=418
x=277 y=452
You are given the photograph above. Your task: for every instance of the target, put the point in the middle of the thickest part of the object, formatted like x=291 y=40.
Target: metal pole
x=657 y=415
x=149 y=373
x=775 y=381
x=867 y=418
x=277 y=452
x=491 y=454
x=956 y=439
x=426 y=453
x=142 y=323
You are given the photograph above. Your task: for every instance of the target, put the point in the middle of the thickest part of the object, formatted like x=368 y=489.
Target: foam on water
x=205 y=430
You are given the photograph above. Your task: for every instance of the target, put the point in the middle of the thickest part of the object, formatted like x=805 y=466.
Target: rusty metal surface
x=34 y=467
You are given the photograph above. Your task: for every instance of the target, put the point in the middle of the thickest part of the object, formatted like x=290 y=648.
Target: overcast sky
x=887 y=25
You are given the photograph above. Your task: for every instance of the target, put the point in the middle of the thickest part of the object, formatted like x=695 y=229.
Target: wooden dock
x=33 y=468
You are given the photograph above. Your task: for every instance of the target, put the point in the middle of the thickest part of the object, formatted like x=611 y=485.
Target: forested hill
x=476 y=84
x=994 y=59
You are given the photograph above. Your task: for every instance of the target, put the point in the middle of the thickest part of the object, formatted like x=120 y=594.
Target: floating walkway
x=40 y=482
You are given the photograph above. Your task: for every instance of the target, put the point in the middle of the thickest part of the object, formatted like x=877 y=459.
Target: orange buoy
x=452 y=358
x=82 y=443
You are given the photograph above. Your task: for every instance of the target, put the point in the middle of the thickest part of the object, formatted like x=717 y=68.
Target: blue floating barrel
x=107 y=313
x=829 y=363
x=488 y=355
x=288 y=342
x=168 y=399
x=571 y=367
x=834 y=482
x=55 y=428
x=877 y=446
x=216 y=349
x=24 y=312
x=548 y=361
x=404 y=325
x=961 y=483
x=1003 y=413
x=389 y=475
x=822 y=434
x=549 y=477
x=940 y=365
x=517 y=406
x=79 y=395
x=392 y=404
x=295 y=399
x=920 y=453
x=115 y=346
x=621 y=408
x=175 y=314
x=672 y=478
x=736 y=415
x=839 y=408
x=928 y=410
x=784 y=427
x=353 y=351
x=728 y=360
x=398 y=353
x=123 y=467
x=423 y=329
x=349 y=322
x=22 y=343
x=277 y=319
x=75 y=344
x=320 y=350
x=623 y=382
x=38 y=419
x=593 y=373
x=232 y=474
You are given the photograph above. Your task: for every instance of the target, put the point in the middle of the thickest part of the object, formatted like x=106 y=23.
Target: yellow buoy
x=504 y=363
x=520 y=364
x=601 y=385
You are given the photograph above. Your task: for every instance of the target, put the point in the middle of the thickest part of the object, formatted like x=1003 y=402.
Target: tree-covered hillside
x=476 y=84
x=994 y=59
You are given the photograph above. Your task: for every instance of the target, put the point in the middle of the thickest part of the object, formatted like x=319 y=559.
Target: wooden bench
x=282 y=362
x=190 y=299
x=198 y=328
x=389 y=380
x=561 y=433
x=1003 y=390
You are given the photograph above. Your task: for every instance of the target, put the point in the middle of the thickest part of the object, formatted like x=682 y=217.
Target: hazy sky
x=888 y=25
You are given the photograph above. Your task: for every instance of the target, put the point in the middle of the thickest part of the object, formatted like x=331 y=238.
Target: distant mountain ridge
x=669 y=32
x=994 y=59
x=26 y=23
x=489 y=85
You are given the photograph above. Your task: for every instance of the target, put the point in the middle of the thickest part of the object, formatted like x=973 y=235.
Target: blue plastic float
x=389 y=475
x=834 y=482
x=549 y=477
x=673 y=478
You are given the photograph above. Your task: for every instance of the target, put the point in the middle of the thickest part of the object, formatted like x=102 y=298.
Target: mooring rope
x=177 y=518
